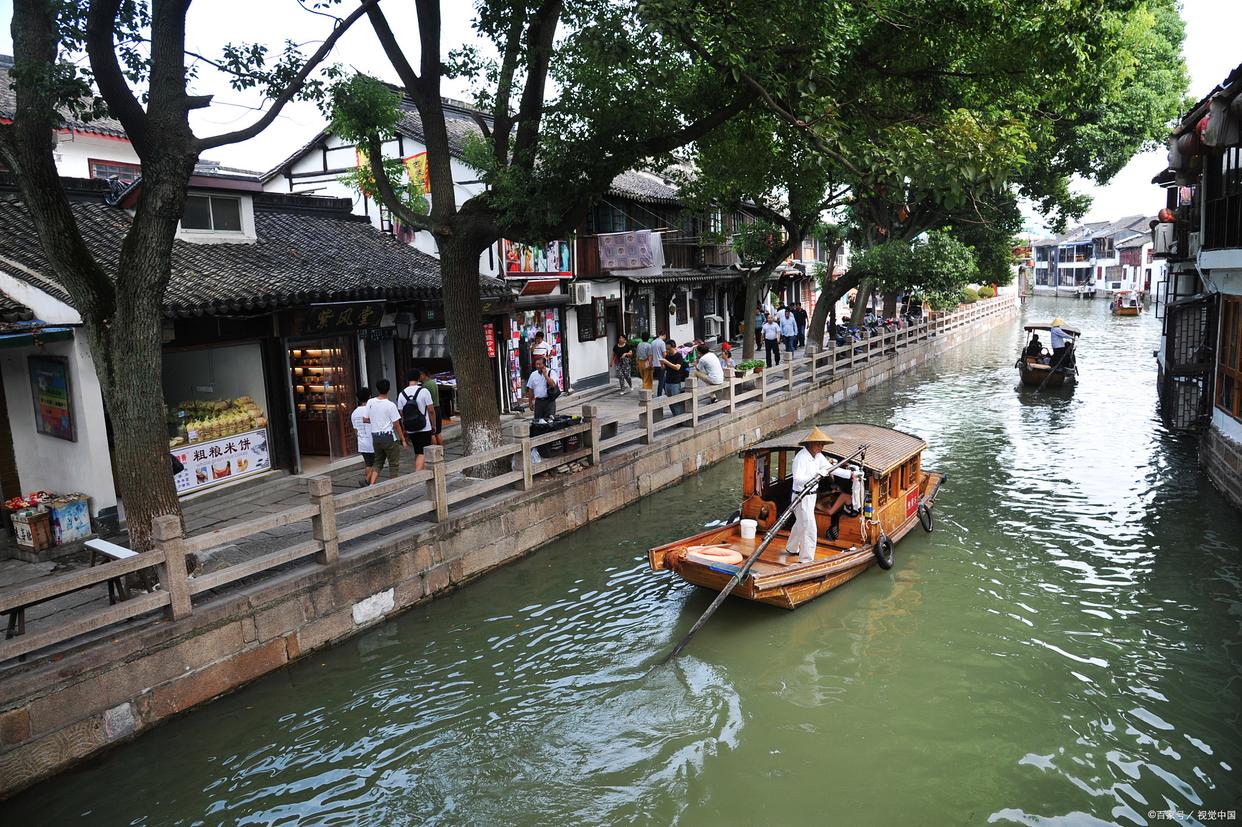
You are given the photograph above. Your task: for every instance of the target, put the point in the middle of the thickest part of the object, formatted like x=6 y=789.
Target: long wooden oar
x=809 y=488
x=1060 y=362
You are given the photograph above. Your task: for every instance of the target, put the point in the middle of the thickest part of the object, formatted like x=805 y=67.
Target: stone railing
x=446 y=486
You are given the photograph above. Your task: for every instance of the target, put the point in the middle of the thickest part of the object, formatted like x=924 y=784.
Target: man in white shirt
x=385 y=423
x=708 y=366
x=420 y=435
x=1060 y=340
x=772 y=342
x=362 y=427
x=808 y=465
x=789 y=331
x=538 y=384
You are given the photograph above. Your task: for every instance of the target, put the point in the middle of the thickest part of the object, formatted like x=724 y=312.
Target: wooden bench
x=117 y=590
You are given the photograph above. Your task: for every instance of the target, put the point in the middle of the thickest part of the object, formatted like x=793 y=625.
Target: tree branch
x=379 y=23
x=539 y=38
x=504 y=87
x=375 y=156
x=294 y=86
x=101 y=49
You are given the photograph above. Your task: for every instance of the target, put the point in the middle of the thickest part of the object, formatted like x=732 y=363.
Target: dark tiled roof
x=8 y=107
x=458 y=120
x=11 y=310
x=308 y=250
x=687 y=276
x=642 y=186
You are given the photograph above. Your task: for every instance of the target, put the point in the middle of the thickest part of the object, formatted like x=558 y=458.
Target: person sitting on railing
x=708 y=367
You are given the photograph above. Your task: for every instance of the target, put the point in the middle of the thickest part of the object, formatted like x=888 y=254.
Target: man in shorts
x=362 y=427
x=419 y=397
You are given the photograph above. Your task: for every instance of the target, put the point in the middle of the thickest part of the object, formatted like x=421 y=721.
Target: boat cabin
x=886 y=484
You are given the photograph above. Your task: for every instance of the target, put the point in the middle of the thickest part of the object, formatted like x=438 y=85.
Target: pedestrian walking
x=643 y=354
x=429 y=382
x=538 y=347
x=801 y=318
x=659 y=347
x=542 y=389
x=789 y=331
x=419 y=414
x=387 y=437
x=622 y=361
x=772 y=342
x=760 y=319
x=362 y=428
x=673 y=363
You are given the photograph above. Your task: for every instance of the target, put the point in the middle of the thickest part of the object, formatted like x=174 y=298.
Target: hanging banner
x=416 y=168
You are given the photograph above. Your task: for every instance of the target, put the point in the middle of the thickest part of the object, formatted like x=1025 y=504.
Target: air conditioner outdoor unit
x=582 y=292
x=1162 y=240
x=712 y=324
x=1192 y=241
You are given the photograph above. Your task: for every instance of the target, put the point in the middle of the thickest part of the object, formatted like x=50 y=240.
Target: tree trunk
x=860 y=302
x=890 y=305
x=825 y=305
x=463 y=313
x=753 y=286
x=127 y=356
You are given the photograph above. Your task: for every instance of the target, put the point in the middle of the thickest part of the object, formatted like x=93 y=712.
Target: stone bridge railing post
x=174 y=579
x=323 y=524
x=437 y=486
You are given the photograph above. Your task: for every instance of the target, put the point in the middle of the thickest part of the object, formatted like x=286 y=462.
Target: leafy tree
x=580 y=92
x=138 y=62
x=928 y=107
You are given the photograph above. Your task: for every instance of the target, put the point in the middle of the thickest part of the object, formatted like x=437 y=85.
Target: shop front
x=542 y=275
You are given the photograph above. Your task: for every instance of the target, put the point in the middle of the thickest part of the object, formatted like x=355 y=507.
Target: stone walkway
x=282 y=491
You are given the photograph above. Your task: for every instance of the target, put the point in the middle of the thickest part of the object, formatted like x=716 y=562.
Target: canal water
x=1063 y=649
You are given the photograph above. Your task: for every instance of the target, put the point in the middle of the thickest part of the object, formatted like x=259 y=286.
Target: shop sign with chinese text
x=341 y=317
x=216 y=461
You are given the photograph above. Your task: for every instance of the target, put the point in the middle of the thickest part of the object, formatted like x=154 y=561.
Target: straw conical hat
x=816 y=435
x=1058 y=321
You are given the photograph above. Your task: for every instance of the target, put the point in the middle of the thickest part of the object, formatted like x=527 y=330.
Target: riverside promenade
x=320 y=559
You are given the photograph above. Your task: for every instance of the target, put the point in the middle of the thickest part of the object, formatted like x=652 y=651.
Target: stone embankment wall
x=1221 y=459
x=58 y=710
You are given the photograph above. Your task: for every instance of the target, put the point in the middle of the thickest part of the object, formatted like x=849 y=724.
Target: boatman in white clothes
x=808 y=466
x=1060 y=339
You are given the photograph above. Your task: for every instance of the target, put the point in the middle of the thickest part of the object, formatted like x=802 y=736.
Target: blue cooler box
x=71 y=519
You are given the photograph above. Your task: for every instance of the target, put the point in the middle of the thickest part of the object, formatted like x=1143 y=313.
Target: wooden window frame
x=1229 y=356
x=92 y=163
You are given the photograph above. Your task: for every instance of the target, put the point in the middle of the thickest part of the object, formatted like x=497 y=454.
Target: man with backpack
x=418 y=414
x=384 y=421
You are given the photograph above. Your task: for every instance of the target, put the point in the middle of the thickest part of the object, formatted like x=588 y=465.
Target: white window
x=213 y=213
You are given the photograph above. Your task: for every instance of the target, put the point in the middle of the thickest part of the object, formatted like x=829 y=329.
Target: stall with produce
x=217 y=441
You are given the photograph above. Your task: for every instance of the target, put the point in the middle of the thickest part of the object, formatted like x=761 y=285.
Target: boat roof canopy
x=886 y=448
x=1073 y=331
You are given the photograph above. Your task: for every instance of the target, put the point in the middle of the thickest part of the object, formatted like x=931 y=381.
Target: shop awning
x=683 y=276
x=33 y=332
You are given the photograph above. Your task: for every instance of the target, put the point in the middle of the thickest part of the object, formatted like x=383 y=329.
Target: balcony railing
x=679 y=253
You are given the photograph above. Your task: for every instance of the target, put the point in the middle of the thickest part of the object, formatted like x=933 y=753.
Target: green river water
x=1063 y=649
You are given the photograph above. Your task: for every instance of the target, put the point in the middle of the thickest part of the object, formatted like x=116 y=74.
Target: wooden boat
x=1039 y=369
x=891 y=492
x=1126 y=303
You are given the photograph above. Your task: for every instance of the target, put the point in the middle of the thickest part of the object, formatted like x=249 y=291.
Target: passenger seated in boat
x=1034 y=348
x=839 y=500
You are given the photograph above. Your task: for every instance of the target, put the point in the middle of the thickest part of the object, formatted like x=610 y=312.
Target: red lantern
x=1188 y=144
x=1166 y=216
x=903 y=213
x=1201 y=128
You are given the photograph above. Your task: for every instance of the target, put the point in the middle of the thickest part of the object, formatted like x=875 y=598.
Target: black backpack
x=412 y=419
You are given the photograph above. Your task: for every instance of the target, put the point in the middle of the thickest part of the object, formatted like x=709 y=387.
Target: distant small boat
x=1126 y=303
x=891 y=494
x=1085 y=291
x=1036 y=364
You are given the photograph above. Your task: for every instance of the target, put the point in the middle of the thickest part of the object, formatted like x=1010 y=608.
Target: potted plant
x=747 y=367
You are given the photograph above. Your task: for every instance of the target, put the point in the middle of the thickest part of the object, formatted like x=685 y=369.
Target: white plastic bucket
x=749 y=527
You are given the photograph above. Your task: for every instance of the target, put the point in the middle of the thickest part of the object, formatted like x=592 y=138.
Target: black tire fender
x=884 y=552
x=925 y=517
